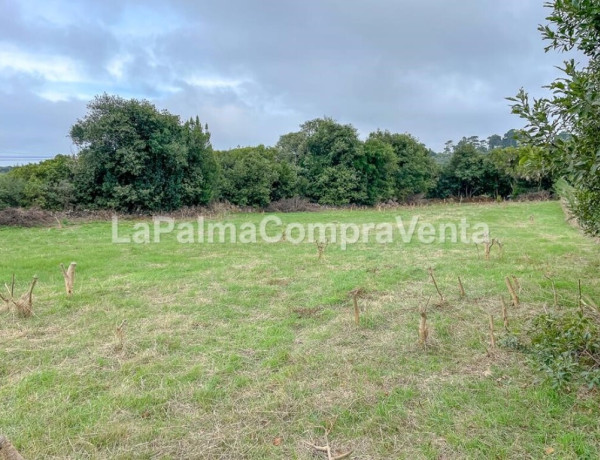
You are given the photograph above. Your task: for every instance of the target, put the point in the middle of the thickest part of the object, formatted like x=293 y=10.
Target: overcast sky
x=253 y=70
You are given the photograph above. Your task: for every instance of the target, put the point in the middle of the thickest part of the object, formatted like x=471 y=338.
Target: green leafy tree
x=412 y=165
x=380 y=170
x=251 y=175
x=199 y=184
x=47 y=184
x=573 y=107
x=471 y=173
x=521 y=169
x=134 y=157
x=11 y=191
x=331 y=163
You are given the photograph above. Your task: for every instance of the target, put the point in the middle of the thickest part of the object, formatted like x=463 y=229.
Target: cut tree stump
x=356 y=293
x=69 y=275
x=24 y=305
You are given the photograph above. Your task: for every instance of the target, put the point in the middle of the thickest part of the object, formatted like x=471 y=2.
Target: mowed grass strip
x=250 y=350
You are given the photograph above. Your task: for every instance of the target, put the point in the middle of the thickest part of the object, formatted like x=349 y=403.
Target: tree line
x=134 y=158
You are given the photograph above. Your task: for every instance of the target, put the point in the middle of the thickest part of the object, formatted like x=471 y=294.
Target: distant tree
x=413 y=165
x=11 y=191
x=134 y=157
x=471 y=173
x=332 y=167
x=510 y=138
x=47 y=184
x=514 y=163
x=573 y=108
x=494 y=142
x=199 y=183
x=380 y=170
x=253 y=176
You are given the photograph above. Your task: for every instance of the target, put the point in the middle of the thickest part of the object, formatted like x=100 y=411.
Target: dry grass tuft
x=24 y=305
x=307 y=312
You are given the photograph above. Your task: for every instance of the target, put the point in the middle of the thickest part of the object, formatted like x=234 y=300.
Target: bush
x=11 y=191
x=566 y=347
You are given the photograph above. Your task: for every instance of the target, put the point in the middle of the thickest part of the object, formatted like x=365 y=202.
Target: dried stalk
x=120 y=333
x=69 y=275
x=492 y=338
x=487 y=245
x=24 y=305
x=504 y=313
x=517 y=284
x=423 y=329
x=462 y=289
x=356 y=293
x=11 y=293
x=327 y=448
x=513 y=294
x=435 y=284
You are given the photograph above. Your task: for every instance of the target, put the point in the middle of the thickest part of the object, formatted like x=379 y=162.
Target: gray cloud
x=256 y=70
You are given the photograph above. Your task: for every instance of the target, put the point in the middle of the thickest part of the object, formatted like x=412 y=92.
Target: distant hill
x=4 y=169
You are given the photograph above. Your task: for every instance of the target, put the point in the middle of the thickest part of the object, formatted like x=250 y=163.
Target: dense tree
x=574 y=107
x=199 y=183
x=471 y=173
x=254 y=176
x=47 y=185
x=134 y=157
x=514 y=164
x=414 y=168
x=11 y=191
x=335 y=167
x=331 y=162
x=380 y=170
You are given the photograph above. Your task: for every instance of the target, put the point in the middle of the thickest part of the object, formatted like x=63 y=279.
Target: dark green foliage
x=412 y=168
x=47 y=185
x=380 y=170
x=11 y=191
x=134 y=157
x=566 y=347
x=199 y=183
x=336 y=168
x=254 y=176
x=471 y=173
x=331 y=163
x=574 y=107
x=510 y=139
x=515 y=164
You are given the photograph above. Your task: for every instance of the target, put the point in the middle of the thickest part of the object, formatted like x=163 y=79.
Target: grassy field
x=235 y=351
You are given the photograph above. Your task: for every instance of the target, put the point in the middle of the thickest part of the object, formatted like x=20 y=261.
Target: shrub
x=566 y=347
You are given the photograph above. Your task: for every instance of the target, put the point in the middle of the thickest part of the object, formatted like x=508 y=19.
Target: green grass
x=228 y=347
